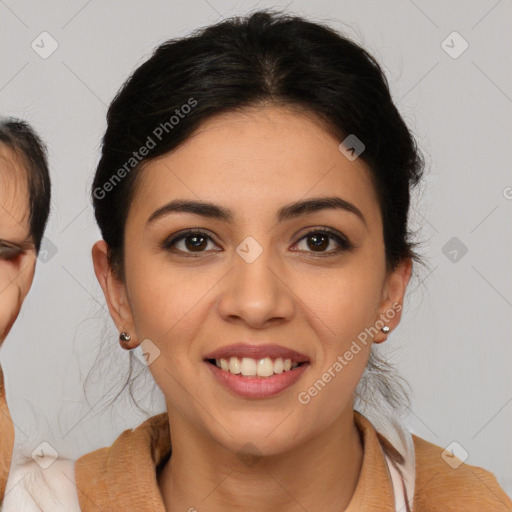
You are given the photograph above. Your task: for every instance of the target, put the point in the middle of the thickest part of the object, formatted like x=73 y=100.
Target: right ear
x=114 y=290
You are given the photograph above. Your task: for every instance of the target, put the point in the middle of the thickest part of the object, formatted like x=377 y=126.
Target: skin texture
x=16 y=266
x=255 y=162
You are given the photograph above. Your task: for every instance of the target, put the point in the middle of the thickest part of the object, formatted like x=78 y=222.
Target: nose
x=255 y=292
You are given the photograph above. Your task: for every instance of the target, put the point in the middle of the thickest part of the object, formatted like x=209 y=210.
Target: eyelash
x=343 y=242
x=9 y=251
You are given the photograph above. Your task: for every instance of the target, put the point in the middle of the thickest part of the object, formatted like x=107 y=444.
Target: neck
x=321 y=474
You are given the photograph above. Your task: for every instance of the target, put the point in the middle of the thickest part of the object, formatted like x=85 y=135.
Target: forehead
x=255 y=160
x=14 y=201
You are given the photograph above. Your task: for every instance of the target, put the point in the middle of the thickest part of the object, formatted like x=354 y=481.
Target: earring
x=124 y=339
x=385 y=329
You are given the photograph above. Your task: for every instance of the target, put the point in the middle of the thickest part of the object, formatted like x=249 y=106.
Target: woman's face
x=17 y=251
x=265 y=276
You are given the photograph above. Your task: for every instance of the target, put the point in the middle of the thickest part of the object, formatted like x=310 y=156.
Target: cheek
x=169 y=309
x=10 y=304
x=342 y=310
x=15 y=280
x=342 y=304
x=167 y=304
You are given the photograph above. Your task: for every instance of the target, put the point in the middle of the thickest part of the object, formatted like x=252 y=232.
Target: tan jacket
x=6 y=438
x=123 y=477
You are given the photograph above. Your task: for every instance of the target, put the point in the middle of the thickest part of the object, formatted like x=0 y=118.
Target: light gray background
x=453 y=345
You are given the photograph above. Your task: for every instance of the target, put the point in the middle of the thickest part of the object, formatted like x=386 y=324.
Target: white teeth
x=265 y=367
x=234 y=365
x=249 y=367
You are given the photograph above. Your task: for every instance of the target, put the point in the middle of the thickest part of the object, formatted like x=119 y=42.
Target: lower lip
x=258 y=387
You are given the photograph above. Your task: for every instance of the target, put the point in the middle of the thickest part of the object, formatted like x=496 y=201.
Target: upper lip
x=271 y=350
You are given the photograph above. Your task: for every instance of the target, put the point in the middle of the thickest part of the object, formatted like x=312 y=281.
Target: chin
x=244 y=447
x=259 y=438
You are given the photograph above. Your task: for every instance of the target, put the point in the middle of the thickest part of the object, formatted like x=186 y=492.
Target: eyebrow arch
x=213 y=211
x=26 y=243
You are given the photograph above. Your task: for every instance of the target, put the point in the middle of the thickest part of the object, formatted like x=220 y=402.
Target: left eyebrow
x=213 y=211
x=22 y=245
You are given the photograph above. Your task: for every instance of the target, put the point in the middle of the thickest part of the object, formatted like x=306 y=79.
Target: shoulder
x=144 y=438
x=93 y=468
x=102 y=474
x=445 y=483
x=6 y=437
x=39 y=487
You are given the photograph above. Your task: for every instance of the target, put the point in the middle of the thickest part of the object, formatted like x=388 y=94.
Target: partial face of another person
x=302 y=280
x=17 y=251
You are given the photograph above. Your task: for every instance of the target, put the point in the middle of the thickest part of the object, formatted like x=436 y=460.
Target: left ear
x=390 y=311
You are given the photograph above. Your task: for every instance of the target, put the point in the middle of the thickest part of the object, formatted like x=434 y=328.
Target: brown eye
x=193 y=242
x=9 y=251
x=318 y=241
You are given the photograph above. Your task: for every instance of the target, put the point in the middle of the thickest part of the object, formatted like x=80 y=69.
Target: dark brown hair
x=264 y=58
x=23 y=140
x=243 y=62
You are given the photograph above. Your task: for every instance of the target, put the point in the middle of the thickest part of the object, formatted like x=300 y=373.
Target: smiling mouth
x=249 y=367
